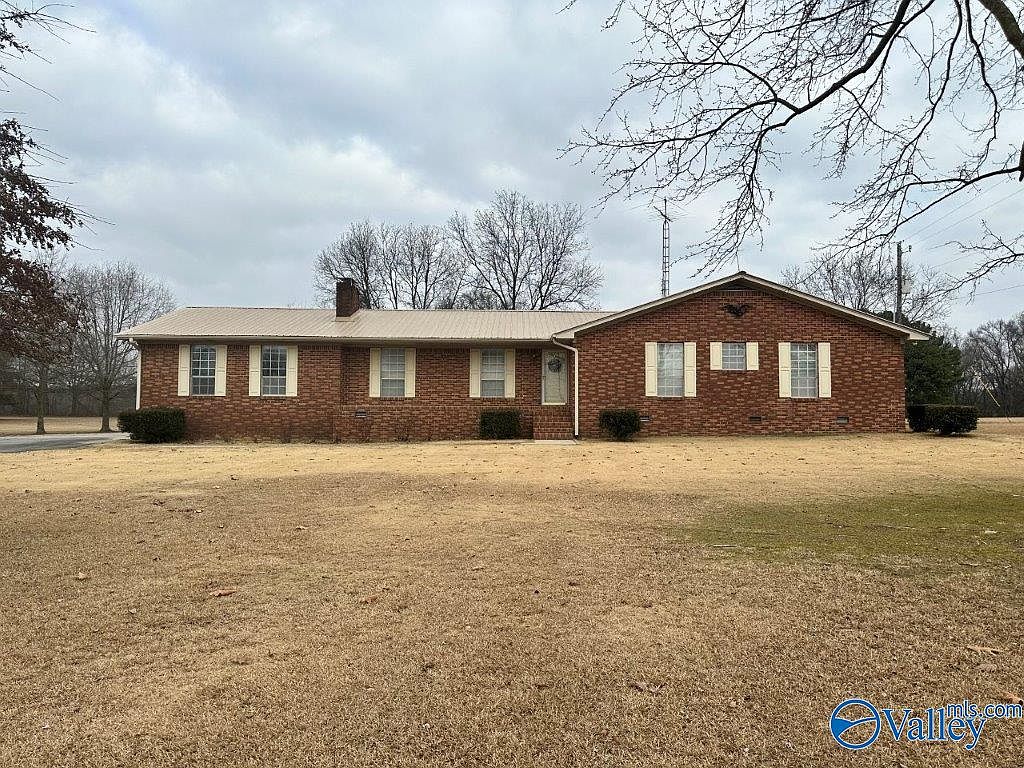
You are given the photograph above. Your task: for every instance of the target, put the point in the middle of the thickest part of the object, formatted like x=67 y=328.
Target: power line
x=968 y=201
x=964 y=218
x=999 y=290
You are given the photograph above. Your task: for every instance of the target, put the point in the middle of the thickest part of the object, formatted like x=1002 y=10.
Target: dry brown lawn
x=26 y=425
x=675 y=602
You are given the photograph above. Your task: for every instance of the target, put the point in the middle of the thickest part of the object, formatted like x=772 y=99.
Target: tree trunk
x=105 y=411
x=42 y=396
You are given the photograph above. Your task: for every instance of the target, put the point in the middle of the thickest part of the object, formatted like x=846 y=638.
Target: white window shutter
x=184 y=370
x=785 y=364
x=690 y=369
x=410 y=371
x=291 y=373
x=510 y=373
x=374 y=371
x=716 y=355
x=824 y=369
x=753 y=362
x=651 y=368
x=220 y=380
x=255 y=370
x=474 y=373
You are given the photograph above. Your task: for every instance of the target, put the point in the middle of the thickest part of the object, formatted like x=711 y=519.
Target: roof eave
x=340 y=340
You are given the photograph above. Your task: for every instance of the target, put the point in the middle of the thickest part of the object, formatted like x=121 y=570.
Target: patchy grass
x=471 y=604
x=960 y=525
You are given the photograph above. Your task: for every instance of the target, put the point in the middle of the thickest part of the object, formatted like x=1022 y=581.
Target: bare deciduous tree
x=356 y=254
x=522 y=254
x=868 y=282
x=514 y=254
x=112 y=298
x=426 y=273
x=993 y=361
x=48 y=320
x=718 y=85
x=409 y=267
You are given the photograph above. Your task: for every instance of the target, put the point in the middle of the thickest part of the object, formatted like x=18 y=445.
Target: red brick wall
x=333 y=384
x=867 y=370
x=867 y=382
x=309 y=416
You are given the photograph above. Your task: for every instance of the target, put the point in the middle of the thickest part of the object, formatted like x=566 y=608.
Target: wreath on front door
x=555 y=364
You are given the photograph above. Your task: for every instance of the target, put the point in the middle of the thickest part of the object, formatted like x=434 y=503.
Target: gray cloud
x=225 y=143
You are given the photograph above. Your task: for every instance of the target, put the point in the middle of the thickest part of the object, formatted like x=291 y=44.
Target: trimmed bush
x=917 y=417
x=952 y=419
x=126 y=421
x=499 y=424
x=944 y=419
x=156 y=425
x=620 y=423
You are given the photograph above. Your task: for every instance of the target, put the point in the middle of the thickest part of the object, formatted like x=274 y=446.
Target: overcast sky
x=225 y=143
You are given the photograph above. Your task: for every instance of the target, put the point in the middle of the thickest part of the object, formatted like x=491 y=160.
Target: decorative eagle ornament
x=736 y=310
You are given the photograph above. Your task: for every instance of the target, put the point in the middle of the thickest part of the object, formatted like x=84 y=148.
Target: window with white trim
x=392 y=372
x=203 y=369
x=803 y=369
x=274 y=370
x=670 y=370
x=734 y=356
x=492 y=373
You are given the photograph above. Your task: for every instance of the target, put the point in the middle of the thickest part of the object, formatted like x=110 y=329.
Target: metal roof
x=449 y=325
x=438 y=325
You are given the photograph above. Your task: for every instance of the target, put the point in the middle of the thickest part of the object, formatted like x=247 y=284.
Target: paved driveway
x=22 y=443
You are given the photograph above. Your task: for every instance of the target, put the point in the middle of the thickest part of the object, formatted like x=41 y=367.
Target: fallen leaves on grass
x=222 y=592
x=1013 y=698
x=985 y=649
x=81 y=576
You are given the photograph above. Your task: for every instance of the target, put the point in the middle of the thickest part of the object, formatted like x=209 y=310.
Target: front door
x=553 y=377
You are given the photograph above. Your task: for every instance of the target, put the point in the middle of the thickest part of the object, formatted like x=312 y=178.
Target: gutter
x=575 y=386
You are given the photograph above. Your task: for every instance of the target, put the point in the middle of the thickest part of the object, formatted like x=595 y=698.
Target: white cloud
x=226 y=143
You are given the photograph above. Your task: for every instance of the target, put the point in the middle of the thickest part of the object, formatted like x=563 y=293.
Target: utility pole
x=899 y=281
x=665 y=264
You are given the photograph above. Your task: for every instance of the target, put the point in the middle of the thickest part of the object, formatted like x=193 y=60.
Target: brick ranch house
x=738 y=355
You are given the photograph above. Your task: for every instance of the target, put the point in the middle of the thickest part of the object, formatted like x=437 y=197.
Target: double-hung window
x=392 y=372
x=803 y=370
x=670 y=370
x=734 y=356
x=492 y=373
x=203 y=369
x=274 y=371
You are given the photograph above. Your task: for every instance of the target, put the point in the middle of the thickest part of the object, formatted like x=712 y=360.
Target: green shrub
x=499 y=424
x=952 y=419
x=917 y=417
x=944 y=419
x=157 y=425
x=620 y=423
x=126 y=421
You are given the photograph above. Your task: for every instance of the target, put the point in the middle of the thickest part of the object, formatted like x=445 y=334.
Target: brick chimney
x=346 y=302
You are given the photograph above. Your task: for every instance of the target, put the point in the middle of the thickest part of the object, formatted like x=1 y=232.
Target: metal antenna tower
x=665 y=251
